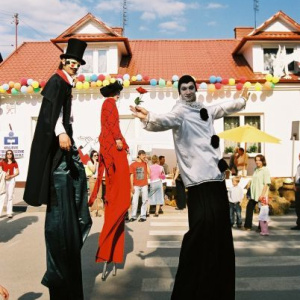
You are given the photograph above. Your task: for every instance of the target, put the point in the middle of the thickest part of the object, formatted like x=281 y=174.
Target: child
x=235 y=196
x=263 y=216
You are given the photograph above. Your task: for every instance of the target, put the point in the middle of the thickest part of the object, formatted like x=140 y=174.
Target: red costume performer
x=114 y=160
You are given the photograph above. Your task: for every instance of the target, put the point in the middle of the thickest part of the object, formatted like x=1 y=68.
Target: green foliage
x=252 y=149
x=229 y=150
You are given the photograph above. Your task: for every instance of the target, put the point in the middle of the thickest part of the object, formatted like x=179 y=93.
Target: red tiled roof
x=36 y=60
x=200 y=58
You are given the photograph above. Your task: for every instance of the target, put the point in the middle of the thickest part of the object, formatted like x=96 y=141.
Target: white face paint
x=188 y=92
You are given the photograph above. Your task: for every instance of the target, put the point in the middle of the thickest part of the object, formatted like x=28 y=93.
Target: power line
x=22 y=20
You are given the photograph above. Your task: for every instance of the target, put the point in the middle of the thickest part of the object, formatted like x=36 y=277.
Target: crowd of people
x=56 y=177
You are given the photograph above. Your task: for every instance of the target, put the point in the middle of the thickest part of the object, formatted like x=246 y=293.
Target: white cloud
x=213 y=5
x=212 y=23
x=171 y=26
x=143 y=28
x=113 y=5
x=148 y=16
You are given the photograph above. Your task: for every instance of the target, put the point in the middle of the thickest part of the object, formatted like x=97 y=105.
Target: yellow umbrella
x=248 y=134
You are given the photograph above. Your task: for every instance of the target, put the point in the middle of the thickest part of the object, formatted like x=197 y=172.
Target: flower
x=141 y=91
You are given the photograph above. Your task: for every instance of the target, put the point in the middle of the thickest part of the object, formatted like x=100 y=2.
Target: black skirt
x=207 y=261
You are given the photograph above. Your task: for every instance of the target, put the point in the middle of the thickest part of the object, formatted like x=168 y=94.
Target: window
x=96 y=62
x=241 y=120
x=270 y=55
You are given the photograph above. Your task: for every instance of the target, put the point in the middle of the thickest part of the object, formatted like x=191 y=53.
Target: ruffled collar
x=193 y=104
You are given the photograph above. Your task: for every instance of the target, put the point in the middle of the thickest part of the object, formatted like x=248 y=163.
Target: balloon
x=153 y=82
x=79 y=85
x=212 y=79
x=86 y=85
x=126 y=77
x=108 y=77
x=30 y=89
x=14 y=91
x=247 y=84
x=169 y=83
x=23 y=89
x=93 y=84
x=35 y=84
x=5 y=86
x=17 y=85
x=1 y=89
x=243 y=79
x=112 y=80
x=11 y=84
x=23 y=81
x=146 y=78
x=119 y=76
x=219 y=79
x=99 y=83
x=231 y=81
x=269 y=77
x=175 y=84
x=101 y=77
x=267 y=85
x=94 y=77
x=42 y=83
x=126 y=83
x=257 y=86
x=81 y=78
x=225 y=81
x=161 y=82
x=133 y=78
x=87 y=78
x=139 y=77
x=175 y=78
x=275 y=79
x=218 y=85
x=203 y=85
x=211 y=87
x=105 y=82
x=36 y=90
x=239 y=86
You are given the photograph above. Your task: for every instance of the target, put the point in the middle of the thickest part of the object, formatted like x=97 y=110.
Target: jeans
x=135 y=201
x=235 y=209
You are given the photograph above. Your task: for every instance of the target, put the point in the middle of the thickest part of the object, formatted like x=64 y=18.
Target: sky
x=146 y=19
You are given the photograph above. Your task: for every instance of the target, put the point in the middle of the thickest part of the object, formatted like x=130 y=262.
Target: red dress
x=117 y=178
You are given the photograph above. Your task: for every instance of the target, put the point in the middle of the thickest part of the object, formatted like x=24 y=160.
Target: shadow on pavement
x=12 y=227
x=30 y=296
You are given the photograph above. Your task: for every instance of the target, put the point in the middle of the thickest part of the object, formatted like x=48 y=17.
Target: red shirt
x=9 y=167
x=139 y=171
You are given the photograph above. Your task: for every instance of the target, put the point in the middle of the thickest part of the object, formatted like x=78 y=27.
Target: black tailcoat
x=45 y=151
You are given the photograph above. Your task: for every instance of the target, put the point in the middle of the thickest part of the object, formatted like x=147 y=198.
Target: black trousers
x=181 y=194
x=249 y=213
x=206 y=268
x=66 y=227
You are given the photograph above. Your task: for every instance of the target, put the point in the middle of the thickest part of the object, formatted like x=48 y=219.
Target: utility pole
x=16 y=21
x=124 y=15
x=256 y=9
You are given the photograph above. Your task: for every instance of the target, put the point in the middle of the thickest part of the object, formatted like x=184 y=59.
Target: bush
x=229 y=150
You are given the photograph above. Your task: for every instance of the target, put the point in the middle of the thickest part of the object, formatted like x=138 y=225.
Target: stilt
x=104 y=271
x=114 y=269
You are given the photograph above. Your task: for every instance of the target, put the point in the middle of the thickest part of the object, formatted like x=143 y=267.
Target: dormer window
x=96 y=61
x=270 y=55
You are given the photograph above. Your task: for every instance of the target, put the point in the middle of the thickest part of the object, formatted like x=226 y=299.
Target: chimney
x=240 y=32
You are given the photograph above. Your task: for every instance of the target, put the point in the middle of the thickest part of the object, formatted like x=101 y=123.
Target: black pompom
x=215 y=141
x=203 y=114
x=222 y=165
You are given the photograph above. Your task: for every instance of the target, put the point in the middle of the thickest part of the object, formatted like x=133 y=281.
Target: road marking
x=242 y=284
x=167 y=232
x=273 y=261
x=169 y=224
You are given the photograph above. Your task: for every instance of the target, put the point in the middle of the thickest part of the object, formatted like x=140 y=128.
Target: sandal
x=156 y=215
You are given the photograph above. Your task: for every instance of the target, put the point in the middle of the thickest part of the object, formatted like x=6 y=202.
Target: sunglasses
x=73 y=63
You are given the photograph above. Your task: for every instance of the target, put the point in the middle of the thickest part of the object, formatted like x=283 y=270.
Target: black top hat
x=75 y=50
x=111 y=89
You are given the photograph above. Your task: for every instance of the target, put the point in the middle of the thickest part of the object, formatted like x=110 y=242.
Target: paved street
x=267 y=267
